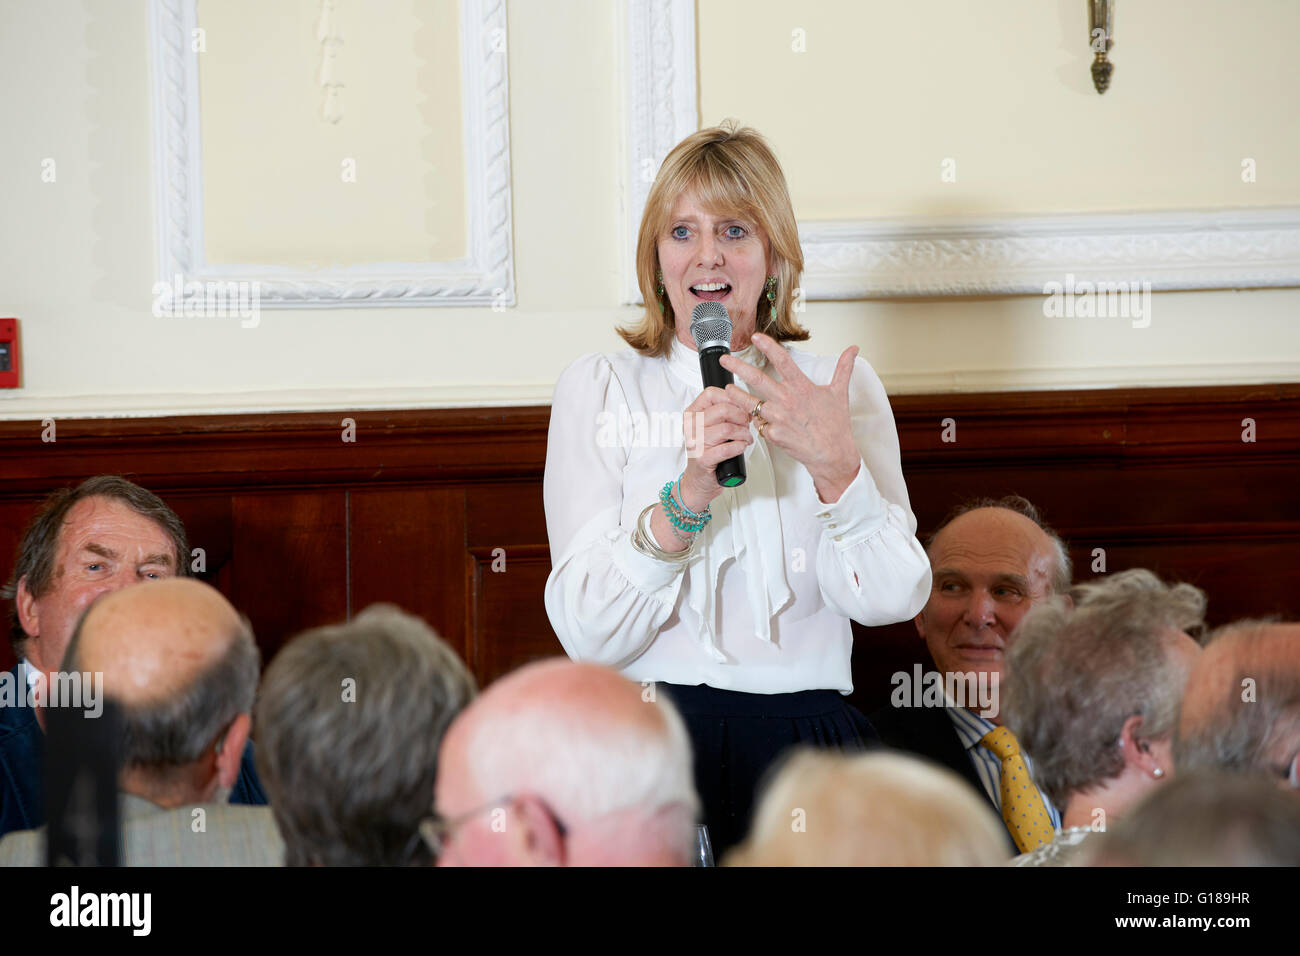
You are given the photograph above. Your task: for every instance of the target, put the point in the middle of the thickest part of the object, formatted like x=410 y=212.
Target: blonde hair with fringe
x=731 y=172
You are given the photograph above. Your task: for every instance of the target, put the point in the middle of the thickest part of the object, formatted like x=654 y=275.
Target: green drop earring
x=659 y=277
x=770 y=287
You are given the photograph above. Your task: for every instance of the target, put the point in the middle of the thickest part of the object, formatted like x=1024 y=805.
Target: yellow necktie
x=1022 y=805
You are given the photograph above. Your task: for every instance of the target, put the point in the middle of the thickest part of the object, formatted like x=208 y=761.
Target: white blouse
x=763 y=605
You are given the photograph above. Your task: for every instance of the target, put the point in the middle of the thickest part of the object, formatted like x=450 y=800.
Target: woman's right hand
x=716 y=429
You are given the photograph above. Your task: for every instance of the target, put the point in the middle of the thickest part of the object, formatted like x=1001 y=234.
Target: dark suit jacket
x=928 y=732
x=22 y=766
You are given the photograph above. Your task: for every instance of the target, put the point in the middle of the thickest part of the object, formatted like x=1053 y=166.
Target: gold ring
x=762 y=423
x=757 y=408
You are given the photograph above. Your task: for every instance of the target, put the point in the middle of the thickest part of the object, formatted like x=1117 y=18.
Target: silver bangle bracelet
x=643 y=540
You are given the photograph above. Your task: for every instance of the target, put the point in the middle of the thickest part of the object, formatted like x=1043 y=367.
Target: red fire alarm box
x=10 y=365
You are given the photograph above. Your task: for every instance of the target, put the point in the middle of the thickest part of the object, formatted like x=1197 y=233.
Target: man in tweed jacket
x=183 y=667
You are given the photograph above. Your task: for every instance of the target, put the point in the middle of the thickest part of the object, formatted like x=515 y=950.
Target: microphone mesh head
x=710 y=325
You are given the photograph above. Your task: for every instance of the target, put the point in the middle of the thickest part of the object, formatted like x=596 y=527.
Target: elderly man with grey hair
x=1092 y=694
x=105 y=534
x=1242 y=709
x=566 y=764
x=349 y=723
x=182 y=666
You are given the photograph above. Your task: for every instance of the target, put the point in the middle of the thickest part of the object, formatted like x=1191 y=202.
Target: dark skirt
x=737 y=737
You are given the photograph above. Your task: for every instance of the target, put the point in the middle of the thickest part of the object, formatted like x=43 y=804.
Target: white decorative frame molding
x=1219 y=249
x=484 y=277
x=661 y=110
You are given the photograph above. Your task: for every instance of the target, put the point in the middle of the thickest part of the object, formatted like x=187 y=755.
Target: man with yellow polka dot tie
x=1023 y=809
x=991 y=561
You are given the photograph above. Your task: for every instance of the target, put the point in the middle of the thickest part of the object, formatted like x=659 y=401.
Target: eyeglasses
x=437 y=830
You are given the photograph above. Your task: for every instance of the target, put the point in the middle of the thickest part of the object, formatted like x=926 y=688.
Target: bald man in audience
x=183 y=666
x=991 y=561
x=1241 y=711
x=103 y=535
x=876 y=809
x=565 y=764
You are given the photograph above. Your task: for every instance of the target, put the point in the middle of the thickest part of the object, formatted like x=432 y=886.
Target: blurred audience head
x=349 y=721
x=992 y=560
x=877 y=809
x=568 y=764
x=1207 y=818
x=183 y=665
x=100 y=536
x=1241 y=711
x=1092 y=692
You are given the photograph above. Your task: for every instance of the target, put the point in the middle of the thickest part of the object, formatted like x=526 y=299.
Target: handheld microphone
x=82 y=809
x=711 y=329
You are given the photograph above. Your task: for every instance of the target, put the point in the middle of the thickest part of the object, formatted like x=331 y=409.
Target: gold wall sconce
x=1101 y=37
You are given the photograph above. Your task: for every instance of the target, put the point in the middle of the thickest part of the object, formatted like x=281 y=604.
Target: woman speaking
x=733 y=601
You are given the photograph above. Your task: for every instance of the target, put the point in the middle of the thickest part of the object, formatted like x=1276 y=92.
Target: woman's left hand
x=808 y=422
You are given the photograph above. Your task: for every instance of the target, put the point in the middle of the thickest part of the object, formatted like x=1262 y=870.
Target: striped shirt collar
x=970 y=726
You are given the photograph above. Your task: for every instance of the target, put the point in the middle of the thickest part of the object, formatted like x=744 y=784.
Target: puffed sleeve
x=605 y=599
x=869 y=564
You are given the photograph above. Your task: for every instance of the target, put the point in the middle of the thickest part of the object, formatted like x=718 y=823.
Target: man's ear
x=1069 y=601
x=535 y=839
x=232 y=750
x=29 y=615
x=919 y=621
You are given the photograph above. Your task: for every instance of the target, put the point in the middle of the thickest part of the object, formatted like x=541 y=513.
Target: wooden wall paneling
x=1157 y=477
x=507 y=563
x=289 y=565
x=879 y=652
x=209 y=525
x=278 y=450
x=500 y=513
x=14 y=515
x=508 y=622
x=1242 y=575
x=407 y=547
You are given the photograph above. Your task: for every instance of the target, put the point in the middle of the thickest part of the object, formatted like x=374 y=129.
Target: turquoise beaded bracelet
x=680 y=502
x=679 y=515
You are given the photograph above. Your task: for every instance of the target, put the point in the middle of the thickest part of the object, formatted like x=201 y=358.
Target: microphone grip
x=730 y=473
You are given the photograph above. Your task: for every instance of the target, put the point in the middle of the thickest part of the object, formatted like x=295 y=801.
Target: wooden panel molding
x=300 y=527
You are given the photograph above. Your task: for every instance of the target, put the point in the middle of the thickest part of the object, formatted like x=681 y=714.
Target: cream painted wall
x=282 y=186
x=891 y=90
x=77 y=257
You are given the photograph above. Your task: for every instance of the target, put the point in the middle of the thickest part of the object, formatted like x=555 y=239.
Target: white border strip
x=1038 y=379
x=484 y=277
